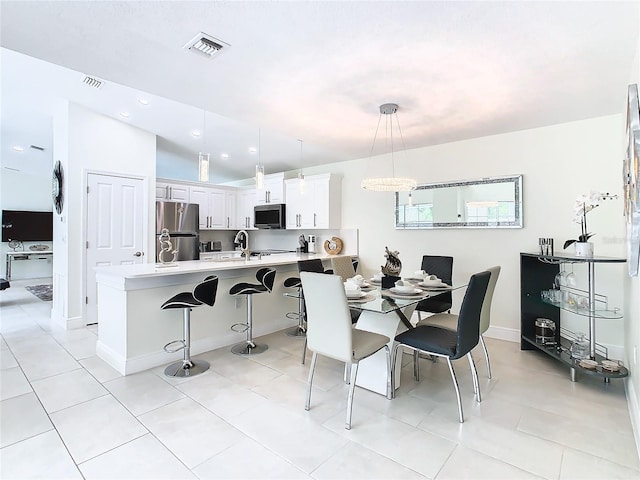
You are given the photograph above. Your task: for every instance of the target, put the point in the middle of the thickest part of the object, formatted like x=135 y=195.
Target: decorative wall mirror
x=494 y=202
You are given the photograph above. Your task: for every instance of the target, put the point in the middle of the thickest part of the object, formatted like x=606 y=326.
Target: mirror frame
x=517 y=223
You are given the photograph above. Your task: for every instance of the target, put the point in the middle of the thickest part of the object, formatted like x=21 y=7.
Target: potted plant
x=583 y=205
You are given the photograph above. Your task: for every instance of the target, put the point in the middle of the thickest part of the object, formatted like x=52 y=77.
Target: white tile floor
x=66 y=414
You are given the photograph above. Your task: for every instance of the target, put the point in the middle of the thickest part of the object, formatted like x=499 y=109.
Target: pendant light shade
x=203 y=158
x=300 y=174
x=259 y=177
x=203 y=167
x=393 y=183
x=259 y=167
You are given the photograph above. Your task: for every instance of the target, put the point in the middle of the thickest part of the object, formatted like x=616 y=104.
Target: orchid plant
x=583 y=205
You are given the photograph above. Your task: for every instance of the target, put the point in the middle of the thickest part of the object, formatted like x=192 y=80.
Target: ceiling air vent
x=92 y=82
x=206 y=45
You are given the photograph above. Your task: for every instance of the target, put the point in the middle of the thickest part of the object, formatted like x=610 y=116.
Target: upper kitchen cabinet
x=273 y=191
x=246 y=200
x=217 y=207
x=317 y=206
x=172 y=191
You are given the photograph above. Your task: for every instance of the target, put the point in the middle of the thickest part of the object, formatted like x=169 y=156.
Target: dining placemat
x=367 y=298
x=389 y=293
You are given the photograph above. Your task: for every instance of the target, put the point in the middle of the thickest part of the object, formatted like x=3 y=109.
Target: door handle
x=138 y=254
x=314 y=219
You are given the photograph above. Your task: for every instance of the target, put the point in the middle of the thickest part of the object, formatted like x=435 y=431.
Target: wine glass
x=561 y=278
x=570 y=279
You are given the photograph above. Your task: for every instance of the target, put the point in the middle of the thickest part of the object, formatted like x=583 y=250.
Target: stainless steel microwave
x=270 y=216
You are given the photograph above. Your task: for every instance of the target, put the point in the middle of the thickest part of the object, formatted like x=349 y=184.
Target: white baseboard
x=160 y=357
x=67 y=323
x=112 y=358
x=503 y=333
x=634 y=410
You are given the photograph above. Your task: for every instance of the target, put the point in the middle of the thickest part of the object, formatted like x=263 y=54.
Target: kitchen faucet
x=243 y=242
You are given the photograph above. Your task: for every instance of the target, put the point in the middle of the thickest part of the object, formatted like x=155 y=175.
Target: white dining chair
x=330 y=332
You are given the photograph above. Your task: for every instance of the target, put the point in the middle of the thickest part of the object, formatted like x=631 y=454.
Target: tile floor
x=66 y=414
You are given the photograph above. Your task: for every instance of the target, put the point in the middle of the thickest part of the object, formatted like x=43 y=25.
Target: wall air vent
x=93 y=82
x=206 y=45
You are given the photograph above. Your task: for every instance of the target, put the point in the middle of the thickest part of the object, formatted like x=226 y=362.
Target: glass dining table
x=388 y=313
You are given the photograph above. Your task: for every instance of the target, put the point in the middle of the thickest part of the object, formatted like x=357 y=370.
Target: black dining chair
x=451 y=344
x=441 y=267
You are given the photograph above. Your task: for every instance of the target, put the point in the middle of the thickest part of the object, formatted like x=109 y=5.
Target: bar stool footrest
x=240 y=327
x=167 y=348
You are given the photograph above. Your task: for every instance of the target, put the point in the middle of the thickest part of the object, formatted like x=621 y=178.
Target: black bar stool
x=301 y=329
x=203 y=293
x=266 y=277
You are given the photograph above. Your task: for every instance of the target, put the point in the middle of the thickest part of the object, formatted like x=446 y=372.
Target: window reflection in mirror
x=494 y=202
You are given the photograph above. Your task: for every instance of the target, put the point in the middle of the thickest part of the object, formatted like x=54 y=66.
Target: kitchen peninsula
x=132 y=329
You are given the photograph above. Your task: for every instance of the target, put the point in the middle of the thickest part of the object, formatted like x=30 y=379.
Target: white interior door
x=115 y=229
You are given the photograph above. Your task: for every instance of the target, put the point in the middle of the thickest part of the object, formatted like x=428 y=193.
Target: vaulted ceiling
x=316 y=71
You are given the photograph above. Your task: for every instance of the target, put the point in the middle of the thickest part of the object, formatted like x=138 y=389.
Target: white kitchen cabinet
x=318 y=206
x=273 y=191
x=217 y=207
x=172 y=191
x=246 y=200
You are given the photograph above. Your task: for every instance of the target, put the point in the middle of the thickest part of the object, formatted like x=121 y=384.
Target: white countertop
x=147 y=275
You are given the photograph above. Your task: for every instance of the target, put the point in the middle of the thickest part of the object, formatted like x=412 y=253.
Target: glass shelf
x=562 y=354
x=598 y=313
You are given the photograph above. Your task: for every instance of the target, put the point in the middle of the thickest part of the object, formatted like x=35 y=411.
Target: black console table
x=537 y=273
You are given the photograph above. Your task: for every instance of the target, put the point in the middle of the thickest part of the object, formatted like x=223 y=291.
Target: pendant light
x=203 y=158
x=300 y=174
x=393 y=183
x=259 y=167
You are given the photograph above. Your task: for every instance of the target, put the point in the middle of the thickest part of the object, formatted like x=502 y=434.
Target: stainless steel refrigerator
x=181 y=219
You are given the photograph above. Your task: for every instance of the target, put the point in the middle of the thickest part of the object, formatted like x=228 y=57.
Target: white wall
x=87 y=142
x=558 y=163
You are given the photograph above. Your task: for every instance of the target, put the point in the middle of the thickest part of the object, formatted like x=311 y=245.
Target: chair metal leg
x=186 y=367
x=486 y=356
x=304 y=351
x=394 y=357
x=416 y=365
x=391 y=384
x=248 y=347
x=455 y=384
x=310 y=381
x=352 y=387
x=474 y=377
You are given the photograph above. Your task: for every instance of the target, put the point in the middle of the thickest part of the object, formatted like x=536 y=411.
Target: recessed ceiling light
x=18 y=148
x=196 y=133
x=224 y=156
x=253 y=150
x=124 y=114
x=143 y=101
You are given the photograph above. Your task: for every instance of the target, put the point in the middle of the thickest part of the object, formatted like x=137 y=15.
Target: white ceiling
x=315 y=71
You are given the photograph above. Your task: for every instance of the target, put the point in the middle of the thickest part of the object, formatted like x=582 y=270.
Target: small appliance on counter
x=311 y=244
